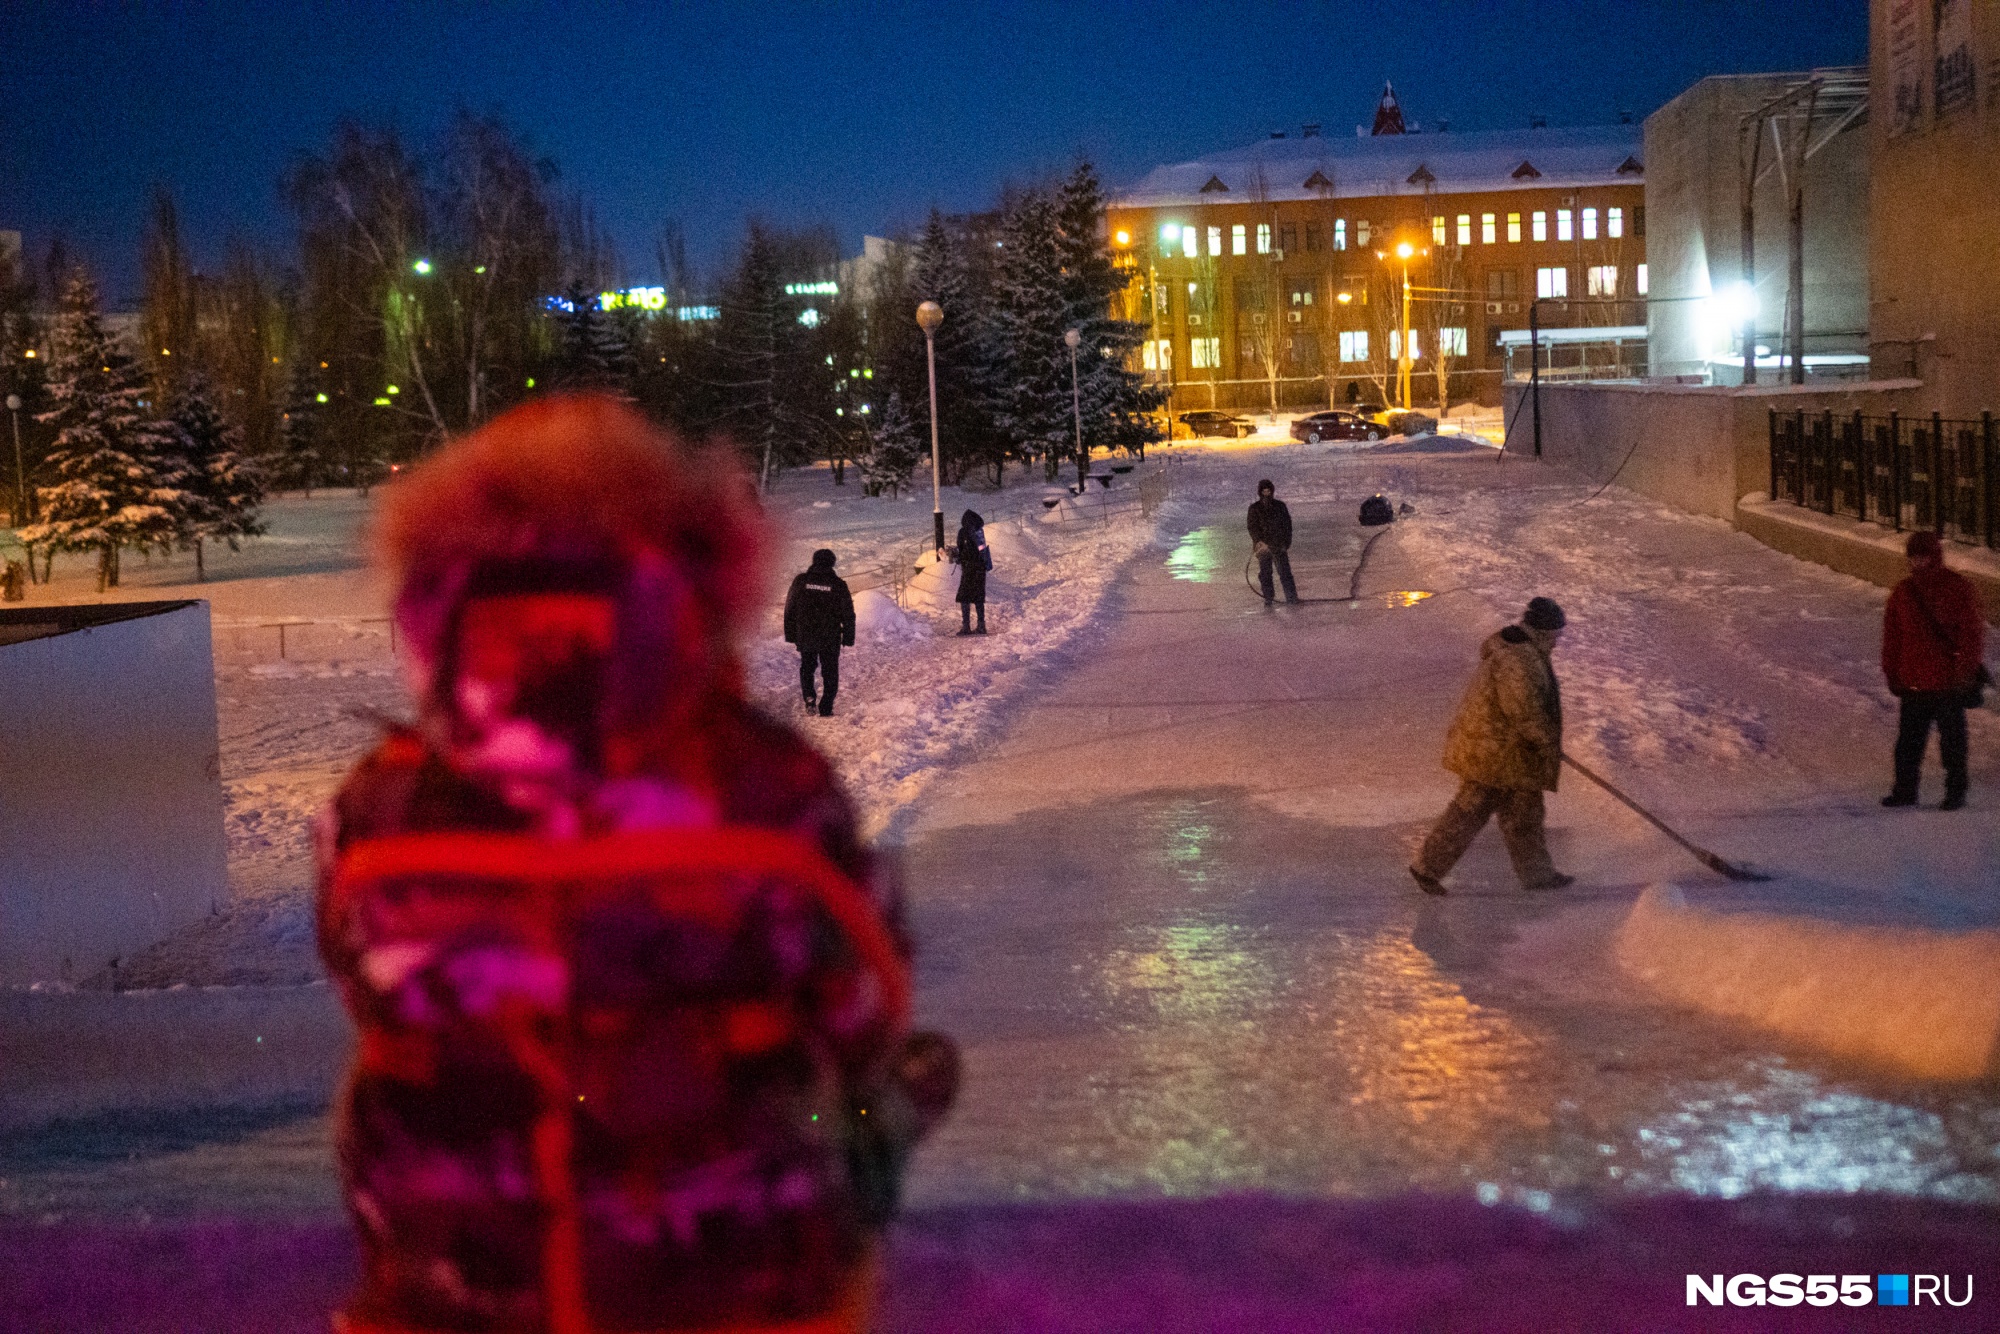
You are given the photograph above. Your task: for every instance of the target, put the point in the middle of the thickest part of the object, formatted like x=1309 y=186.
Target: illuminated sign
x=686 y=313
x=634 y=298
x=812 y=289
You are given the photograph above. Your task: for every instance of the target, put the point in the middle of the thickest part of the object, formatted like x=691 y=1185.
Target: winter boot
x=1555 y=881
x=1900 y=799
x=1954 y=800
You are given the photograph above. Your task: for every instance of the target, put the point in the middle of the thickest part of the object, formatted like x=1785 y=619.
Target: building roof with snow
x=1366 y=166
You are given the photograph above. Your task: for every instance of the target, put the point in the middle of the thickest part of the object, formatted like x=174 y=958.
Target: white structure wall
x=111 y=831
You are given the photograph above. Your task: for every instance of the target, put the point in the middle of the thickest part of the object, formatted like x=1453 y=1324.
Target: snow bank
x=1926 y=1002
x=877 y=618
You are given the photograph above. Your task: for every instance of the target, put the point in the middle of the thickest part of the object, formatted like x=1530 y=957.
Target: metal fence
x=1932 y=472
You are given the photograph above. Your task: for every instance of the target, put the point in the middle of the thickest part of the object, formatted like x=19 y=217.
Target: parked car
x=1209 y=422
x=1335 y=426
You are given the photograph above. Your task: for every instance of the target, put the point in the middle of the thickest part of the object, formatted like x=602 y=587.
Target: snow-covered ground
x=305 y=673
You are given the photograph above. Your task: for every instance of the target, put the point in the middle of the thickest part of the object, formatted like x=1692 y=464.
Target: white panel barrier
x=111 y=801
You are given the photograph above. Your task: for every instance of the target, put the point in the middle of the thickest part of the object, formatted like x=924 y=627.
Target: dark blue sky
x=859 y=114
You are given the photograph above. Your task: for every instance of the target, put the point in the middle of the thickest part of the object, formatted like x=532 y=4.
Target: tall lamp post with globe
x=20 y=479
x=929 y=316
x=1072 y=337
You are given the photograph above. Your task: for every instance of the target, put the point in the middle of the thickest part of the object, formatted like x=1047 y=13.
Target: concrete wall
x=1933 y=259
x=111 y=804
x=1694 y=240
x=1697 y=448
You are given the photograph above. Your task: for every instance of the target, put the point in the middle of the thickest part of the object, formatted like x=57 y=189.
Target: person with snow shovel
x=1506 y=747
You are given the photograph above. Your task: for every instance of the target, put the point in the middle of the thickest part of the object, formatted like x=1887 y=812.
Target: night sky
x=860 y=115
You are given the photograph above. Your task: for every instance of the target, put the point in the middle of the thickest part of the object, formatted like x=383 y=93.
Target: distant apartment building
x=1274 y=271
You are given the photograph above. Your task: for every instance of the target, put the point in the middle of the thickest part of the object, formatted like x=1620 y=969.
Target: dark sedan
x=1217 y=423
x=1335 y=426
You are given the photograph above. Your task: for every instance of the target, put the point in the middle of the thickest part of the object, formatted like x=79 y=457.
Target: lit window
x=1564 y=225
x=1159 y=354
x=1541 y=232
x=1239 y=240
x=1513 y=229
x=1489 y=230
x=1214 y=241
x=1642 y=280
x=1354 y=345
x=1603 y=280
x=1263 y=238
x=1551 y=282
x=1590 y=224
x=1396 y=345
x=1190 y=244
x=1160 y=301
x=1205 y=353
x=1437 y=230
x=1170 y=236
x=1465 y=229
x=1361 y=231
x=1614 y=222
x=1451 y=341
x=1340 y=233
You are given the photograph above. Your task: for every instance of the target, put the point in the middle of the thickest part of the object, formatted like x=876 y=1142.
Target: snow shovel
x=1702 y=855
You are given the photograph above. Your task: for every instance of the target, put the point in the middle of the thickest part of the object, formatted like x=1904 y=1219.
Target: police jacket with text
x=819 y=611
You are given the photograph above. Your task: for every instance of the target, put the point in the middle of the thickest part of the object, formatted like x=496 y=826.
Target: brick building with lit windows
x=1271 y=273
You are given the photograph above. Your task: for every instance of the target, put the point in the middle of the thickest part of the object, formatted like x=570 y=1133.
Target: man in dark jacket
x=819 y=618
x=1271 y=536
x=1933 y=645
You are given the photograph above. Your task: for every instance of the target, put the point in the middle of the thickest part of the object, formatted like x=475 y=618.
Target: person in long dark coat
x=974 y=560
x=819 y=619
x=1271 y=537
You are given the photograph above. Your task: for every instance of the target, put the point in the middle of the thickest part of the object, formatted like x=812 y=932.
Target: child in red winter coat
x=632 y=995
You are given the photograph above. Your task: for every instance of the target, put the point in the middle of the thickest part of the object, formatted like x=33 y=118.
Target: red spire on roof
x=1388 y=112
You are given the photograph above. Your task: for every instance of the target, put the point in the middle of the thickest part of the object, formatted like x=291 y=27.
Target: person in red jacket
x=630 y=989
x=1933 y=645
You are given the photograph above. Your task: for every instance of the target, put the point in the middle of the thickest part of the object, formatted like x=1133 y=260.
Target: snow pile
x=877 y=619
x=1922 y=1001
x=1624 y=694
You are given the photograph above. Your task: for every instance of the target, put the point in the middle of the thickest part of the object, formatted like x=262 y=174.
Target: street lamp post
x=1072 y=337
x=1403 y=358
x=929 y=316
x=20 y=478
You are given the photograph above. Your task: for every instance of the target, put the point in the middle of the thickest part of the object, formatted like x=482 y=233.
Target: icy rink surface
x=1157 y=836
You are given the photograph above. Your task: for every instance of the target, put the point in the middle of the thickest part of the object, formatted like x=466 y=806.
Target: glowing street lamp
x=929 y=316
x=1403 y=252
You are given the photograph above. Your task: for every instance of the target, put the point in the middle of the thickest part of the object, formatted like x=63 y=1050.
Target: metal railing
x=1935 y=472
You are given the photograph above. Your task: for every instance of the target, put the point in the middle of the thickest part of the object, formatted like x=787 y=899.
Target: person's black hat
x=1266 y=485
x=1543 y=614
x=824 y=556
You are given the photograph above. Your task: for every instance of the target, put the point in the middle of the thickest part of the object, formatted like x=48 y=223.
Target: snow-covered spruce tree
x=967 y=382
x=302 y=429
x=896 y=445
x=115 y=465
x=224 y=488
x=1031 y=311
x=591 y=351
x=1117 y=404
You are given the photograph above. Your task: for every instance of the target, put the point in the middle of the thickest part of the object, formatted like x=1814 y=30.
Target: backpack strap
x=1937 y=630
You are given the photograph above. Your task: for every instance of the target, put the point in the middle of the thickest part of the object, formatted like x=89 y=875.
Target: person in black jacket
x=1271 y=533
x=973 y=559
x=819 y=618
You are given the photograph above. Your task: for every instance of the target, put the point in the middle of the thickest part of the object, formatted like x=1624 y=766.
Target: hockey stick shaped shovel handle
x=1714 y=863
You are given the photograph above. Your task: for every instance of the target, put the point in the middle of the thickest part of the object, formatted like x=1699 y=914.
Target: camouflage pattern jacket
x=1508 y=732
